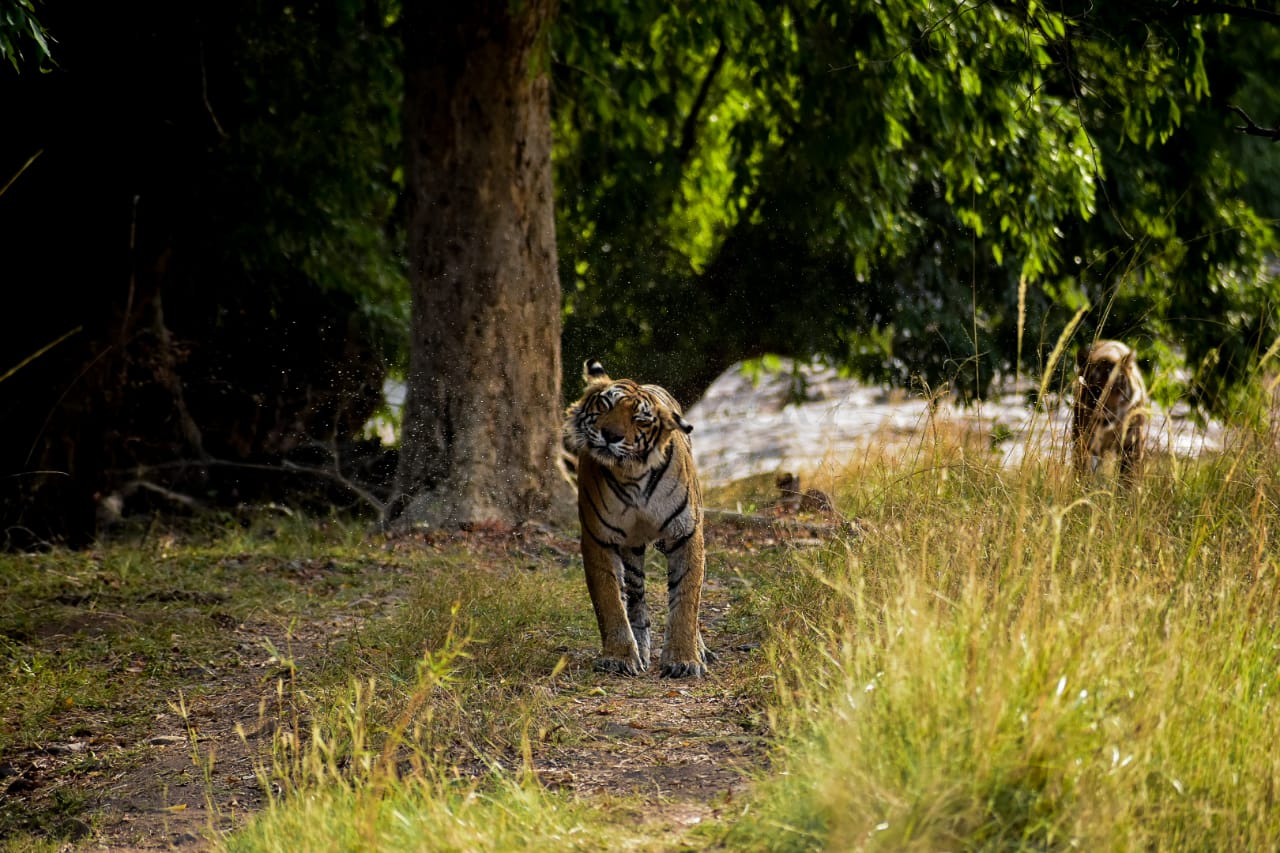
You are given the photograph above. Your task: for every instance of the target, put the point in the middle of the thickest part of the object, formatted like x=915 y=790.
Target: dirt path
x=683 y=746
x=193 y=774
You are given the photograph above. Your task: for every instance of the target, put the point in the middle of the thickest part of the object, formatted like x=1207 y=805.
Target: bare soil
x=191 y=773
x=685 y=747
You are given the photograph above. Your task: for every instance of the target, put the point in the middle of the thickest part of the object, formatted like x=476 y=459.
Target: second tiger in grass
x=637 y=485
x=1111 y=409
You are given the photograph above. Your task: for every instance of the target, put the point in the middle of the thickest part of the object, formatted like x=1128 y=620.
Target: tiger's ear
x=673 y=421
x=593 y=371
x=1082 y=356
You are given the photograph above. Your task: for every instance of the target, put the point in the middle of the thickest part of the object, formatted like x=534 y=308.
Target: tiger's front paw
x=625 y=665
x=684 y=669
x=677 y=662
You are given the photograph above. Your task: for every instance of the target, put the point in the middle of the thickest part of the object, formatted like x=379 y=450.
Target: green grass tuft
x=1008 y=661
x=429 y=814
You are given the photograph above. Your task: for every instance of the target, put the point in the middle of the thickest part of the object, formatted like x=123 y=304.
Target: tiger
x=793 y=499
x=638 y=485
x=1111 y=408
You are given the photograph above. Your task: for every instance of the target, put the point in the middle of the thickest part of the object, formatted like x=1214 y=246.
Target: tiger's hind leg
x=684 y=653
x=605 y=576
x=637 y=607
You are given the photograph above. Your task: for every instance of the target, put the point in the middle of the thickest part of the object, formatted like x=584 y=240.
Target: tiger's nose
x=610 y=436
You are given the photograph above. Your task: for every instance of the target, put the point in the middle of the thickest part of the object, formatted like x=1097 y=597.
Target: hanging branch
x=1252 y=129
x=689 y=132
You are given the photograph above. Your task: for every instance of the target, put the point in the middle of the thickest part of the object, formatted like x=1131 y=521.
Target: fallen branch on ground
x=788 y=524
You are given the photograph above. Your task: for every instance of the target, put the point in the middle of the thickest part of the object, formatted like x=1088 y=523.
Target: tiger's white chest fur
x=655 y=506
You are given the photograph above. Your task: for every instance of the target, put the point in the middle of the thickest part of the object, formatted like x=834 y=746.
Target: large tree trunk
x=482 y=416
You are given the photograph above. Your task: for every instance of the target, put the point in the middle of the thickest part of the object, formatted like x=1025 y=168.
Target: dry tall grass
x=1013 y=660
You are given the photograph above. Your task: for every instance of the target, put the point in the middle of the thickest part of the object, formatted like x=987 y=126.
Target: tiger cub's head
x=621 y=424
x=1107 y=377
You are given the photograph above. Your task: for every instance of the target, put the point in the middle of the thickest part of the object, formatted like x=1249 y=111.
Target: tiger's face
x=1108 y=381
x=621 y=424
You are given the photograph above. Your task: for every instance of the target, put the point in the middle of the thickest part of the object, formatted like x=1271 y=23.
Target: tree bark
x=481 y=427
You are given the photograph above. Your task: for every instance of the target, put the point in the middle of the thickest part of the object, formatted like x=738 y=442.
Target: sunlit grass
x=1011 y=660
x=423 y=814
x=992 y=659
x=426 y=746
x=1002 y=659
x=503 y=631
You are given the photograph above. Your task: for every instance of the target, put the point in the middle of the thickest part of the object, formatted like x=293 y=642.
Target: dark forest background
x=202 y=220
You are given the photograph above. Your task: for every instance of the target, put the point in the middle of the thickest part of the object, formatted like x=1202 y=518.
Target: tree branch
x=204 y=94
x=1252 y=129
x=688 y=133
x=1191 y=9
x=335 y=474
x=775 y=524
x=331 y=474
x=179 y=498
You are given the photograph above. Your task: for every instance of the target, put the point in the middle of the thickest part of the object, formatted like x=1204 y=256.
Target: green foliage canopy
x=19 y=25
x=871 y=183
